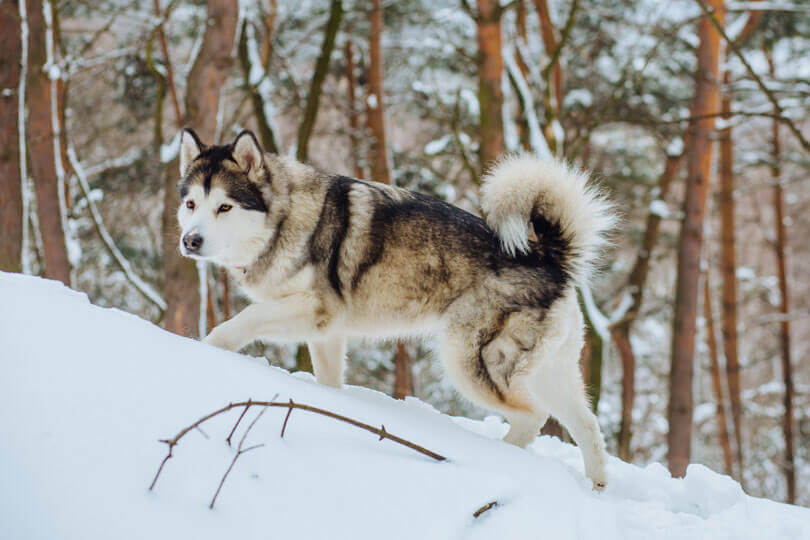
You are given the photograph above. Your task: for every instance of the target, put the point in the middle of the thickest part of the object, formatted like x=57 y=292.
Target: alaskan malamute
x=326 y=257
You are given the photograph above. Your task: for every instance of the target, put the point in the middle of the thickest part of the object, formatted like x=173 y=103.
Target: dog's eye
x=190 y=204
x=224 y=208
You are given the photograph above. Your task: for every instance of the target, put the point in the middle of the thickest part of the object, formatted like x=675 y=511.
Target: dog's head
x=224 y=197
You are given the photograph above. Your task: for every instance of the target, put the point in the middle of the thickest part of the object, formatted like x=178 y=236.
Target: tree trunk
x=318 y=77
x=789 y=465
x=620 y=332
x=706 y=103
x=11 y=215
x=717 y=383
x=264 y=128
x=729 y=271
x=41 y=150
x=380 y=170
x=375 y=108
x=205 y=81
x=550 y=44
x=354 y=125
x=490 y=92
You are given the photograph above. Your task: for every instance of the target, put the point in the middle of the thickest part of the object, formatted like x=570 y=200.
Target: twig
x=484 y=508
x=239 y=452
x=775 y=102
x=381 y=431
x=287 y=418
x=236 y=425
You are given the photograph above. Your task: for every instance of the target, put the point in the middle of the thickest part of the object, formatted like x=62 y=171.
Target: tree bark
x=620 y=332
x=375 y=108
x=380 y=170
x=11 y=215
x=318 y=77
x=706 y=102
x=550 y=44
x=490 y=92
x=789 y=466
x=717 y=383
x=729 y=271
x=205 y=81
x=354 y=125
x=264 y=128
x=41 y=150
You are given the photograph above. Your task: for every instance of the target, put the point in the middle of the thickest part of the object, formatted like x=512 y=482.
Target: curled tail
x=570 y=216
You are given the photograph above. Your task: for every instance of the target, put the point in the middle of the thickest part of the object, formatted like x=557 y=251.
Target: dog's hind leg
x=523 y=427
x=327 y=360
x=558 y=387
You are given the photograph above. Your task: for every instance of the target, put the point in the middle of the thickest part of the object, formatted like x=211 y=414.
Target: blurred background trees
x=699 y=324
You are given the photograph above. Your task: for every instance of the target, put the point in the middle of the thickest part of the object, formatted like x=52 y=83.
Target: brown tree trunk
x=729 y=272
x=205 y=80
x=706 y=102
x=521 y=37
x=375 y=108
x=789 y=466
x=620 y=332
x=490 y=92
x=11 y=211
x=318 y=77
x=354 y=124
x=41 y=150
x=380 y=171
x=226 y=294
x=550 y=43
x=717 y=382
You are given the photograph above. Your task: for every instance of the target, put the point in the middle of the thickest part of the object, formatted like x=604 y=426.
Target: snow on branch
x=264 y=405
x=536 y=139
x=143 y=287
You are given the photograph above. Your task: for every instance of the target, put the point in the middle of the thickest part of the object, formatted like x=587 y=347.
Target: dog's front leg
x=292 y=318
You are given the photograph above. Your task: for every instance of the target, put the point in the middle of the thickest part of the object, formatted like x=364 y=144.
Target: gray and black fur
x=343 y=257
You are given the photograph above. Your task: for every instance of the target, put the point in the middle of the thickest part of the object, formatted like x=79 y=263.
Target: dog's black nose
x=192 y=242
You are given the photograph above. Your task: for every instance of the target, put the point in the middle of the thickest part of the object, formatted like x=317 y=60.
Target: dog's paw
x=600 y=485
x=219 y=340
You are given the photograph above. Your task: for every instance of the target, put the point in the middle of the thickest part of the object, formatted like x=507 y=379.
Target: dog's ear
x=247 y=152
x=190 y=148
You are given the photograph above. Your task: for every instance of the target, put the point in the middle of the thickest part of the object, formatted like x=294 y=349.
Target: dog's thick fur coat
x=328 y=257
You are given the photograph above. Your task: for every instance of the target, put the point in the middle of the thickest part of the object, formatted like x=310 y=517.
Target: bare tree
x=490 y=67
x=705 y=105
x=717 y=381
x=729 y=272
x=728 y=263
x=351 y=110
x=318 y=76
x=11 y=216
x=380 y=170
x=41 y=148
x=789 y=465
x=636 y=283
x=205 y=81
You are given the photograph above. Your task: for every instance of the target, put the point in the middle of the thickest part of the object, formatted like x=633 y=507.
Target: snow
x=659 y=208
x=86 y=392
x=169 y=150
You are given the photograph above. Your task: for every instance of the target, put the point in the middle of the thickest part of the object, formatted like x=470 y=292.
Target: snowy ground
x=85 y=393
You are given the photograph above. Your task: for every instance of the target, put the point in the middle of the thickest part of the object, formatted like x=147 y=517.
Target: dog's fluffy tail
x=570 y=216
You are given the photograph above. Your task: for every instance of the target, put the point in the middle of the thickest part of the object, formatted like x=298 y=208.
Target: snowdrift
x=86 y=392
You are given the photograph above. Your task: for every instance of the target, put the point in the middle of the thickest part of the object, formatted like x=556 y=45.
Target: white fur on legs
x=582 y=425
x=523 y=427
x=327 y=360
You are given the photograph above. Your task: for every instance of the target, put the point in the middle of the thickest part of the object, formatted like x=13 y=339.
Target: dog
x=325 y=257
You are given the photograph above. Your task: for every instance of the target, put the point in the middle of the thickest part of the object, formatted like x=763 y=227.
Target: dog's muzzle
x=192 y=242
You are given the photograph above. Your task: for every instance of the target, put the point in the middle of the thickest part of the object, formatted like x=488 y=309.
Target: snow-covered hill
x=86 y=392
